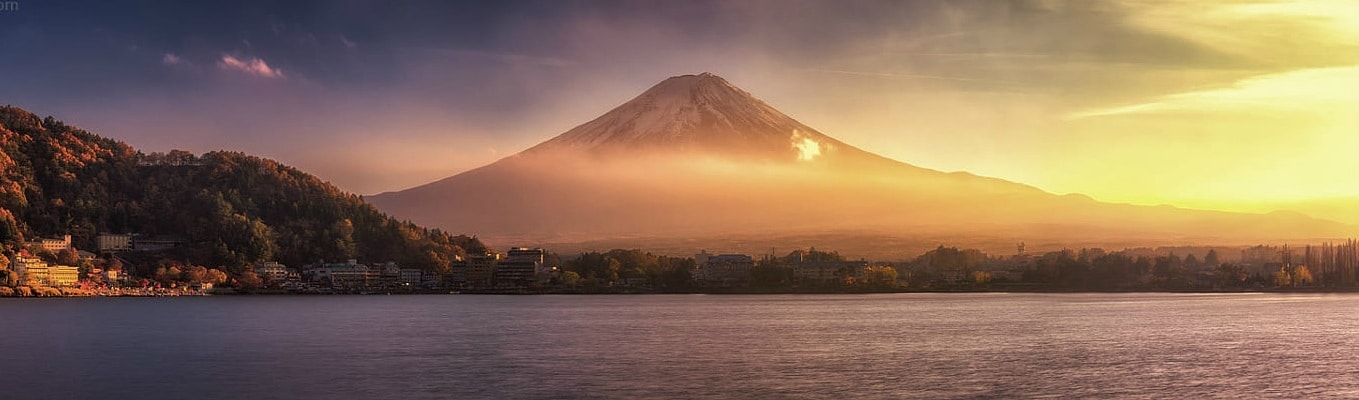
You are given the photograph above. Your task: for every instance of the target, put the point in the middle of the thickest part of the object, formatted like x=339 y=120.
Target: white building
x=33 y=271
x=62 y=275
x=350 y=274
x=272 y=271
x=52 y=245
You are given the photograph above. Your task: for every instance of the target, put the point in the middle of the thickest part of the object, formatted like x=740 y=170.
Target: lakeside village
x=54 y=267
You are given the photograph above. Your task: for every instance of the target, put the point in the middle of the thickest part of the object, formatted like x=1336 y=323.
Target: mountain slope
x=233 y=209
x=696 y=158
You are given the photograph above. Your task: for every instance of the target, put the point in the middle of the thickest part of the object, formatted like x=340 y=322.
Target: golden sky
x=1242 y=106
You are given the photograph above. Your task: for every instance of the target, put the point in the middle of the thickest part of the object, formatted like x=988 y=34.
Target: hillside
x=232 y=209
x=695 y=162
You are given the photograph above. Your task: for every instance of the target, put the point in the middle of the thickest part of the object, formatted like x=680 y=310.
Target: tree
x=1302 y=276
x=1230 y=275
x=9 y=229
x=194 y=274
x=1211 y=259
x=611 y=268
x=68 y=256
x=343 y=233
x=982 y=278
x=167 y=275
x=569 y=278
x=880 y=276
x=215 y=276
x=1282 y=278
x=248 y=281
x=41 y=252
x=180 y=157
x=9 y=278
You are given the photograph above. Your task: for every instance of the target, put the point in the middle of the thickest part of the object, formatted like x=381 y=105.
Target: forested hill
x=233 y=209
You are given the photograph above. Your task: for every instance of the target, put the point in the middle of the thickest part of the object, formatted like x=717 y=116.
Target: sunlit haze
x=1243 y=106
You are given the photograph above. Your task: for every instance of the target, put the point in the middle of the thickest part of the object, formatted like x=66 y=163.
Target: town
x=55 y=267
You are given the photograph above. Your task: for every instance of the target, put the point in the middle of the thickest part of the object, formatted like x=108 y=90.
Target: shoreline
x=513 y=292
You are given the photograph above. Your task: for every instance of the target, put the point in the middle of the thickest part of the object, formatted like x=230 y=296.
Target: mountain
x=696 y=162
x=232 y=209
x=691 y=113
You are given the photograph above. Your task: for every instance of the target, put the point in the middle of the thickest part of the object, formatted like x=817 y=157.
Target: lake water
x=683 y=346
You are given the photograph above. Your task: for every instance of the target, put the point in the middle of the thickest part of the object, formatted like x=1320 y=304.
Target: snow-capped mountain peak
x=702 y=113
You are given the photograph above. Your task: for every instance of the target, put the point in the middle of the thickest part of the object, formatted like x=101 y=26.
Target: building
x=349 y=274
x=52 y=245
x=702 y=257
x=389 y=274
x=112 y=276
x=62 y=275
x=273 y=272
x=33 y=271
x=475 y=270
x=725 y=269
x=411 y=276
x=114 y=242
x=30 y=269
x=520 y=268
x=827 y=272
x=156 y=242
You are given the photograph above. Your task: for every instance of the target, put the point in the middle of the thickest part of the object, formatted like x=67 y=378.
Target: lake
x=986 y=345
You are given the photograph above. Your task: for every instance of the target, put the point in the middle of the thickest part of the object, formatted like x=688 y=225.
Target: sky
x=1227 y=105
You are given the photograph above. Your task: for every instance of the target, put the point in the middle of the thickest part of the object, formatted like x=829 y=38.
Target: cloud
x=1289 y=33
x=252 y=65
x=1315 y=89
x=171 y=59
x=909 y=76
